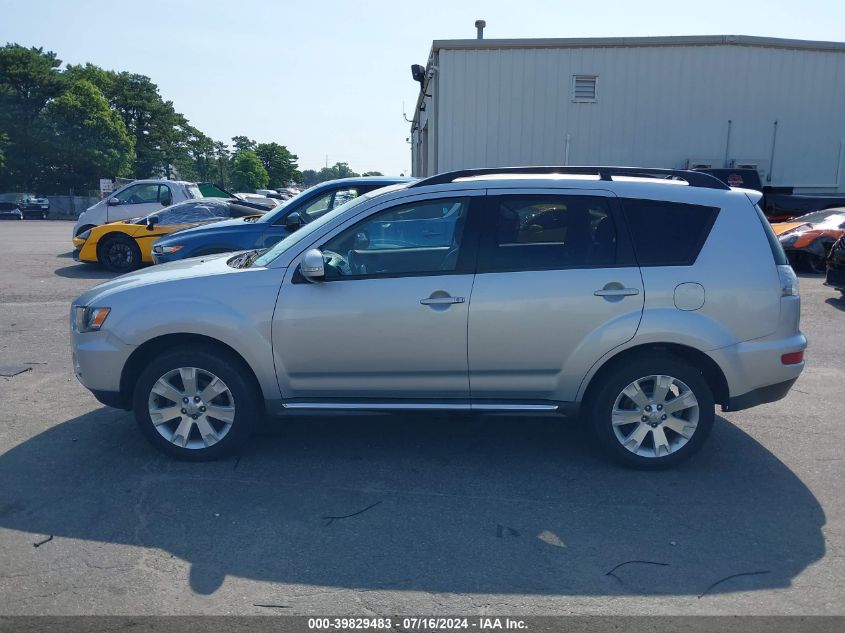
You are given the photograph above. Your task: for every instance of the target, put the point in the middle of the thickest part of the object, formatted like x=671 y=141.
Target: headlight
x=89 y=319
x=84 y=235
x=165 y=250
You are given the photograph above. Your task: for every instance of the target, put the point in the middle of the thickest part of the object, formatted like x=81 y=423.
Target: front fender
x=235 y=309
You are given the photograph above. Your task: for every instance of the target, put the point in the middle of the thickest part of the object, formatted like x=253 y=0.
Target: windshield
x=311 y=227
x=306 y=230
x=193 y=191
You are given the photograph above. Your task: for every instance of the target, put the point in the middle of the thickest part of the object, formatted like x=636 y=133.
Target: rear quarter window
x=668 y=233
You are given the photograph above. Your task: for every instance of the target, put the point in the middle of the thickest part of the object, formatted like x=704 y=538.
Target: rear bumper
x=754 y=371
x=761 y=395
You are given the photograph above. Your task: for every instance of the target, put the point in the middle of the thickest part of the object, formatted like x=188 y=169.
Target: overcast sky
x=329 y=78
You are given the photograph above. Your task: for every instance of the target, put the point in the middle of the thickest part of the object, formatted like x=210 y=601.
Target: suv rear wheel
x=195 y=405
x=652 y=412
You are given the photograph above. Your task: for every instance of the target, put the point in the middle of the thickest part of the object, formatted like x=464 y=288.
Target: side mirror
x=293 y=221
x=312 y=266
x=152 y=221
x=113 y=202
x=165 y=202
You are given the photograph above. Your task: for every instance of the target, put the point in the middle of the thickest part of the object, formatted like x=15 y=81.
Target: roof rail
x=692 y=178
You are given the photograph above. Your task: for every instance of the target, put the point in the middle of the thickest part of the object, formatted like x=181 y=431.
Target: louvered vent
x=584 y=88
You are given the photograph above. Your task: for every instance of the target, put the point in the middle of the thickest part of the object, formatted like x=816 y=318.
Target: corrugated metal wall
x=656 y=106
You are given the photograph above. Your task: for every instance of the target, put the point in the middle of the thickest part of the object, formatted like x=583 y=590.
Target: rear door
x=557 y=287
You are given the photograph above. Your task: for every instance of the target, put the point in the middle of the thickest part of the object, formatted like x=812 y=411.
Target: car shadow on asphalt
x=85 y=271
x=503 y=505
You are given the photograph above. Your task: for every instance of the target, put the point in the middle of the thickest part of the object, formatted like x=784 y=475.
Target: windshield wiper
x=244 y=260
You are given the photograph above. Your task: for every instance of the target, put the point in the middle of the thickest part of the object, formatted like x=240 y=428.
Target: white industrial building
x=720 y=101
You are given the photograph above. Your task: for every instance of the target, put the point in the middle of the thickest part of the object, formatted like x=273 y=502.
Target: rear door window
x=547 y=232
x=668 y=233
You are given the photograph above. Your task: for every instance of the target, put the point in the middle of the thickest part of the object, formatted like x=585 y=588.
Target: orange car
x=807 y=239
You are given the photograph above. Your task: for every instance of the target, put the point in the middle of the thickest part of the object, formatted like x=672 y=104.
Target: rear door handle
x=617 y=292
x=440 y=301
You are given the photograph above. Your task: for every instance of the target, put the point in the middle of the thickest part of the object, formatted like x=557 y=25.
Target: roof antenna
x=479 y=25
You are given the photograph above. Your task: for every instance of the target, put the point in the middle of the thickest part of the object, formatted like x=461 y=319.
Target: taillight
x=788 y=281
x=793 y=358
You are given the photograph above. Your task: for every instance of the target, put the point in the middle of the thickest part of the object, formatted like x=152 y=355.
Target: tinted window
x=420 y=237
x=548 y=232
x=327 y=202
x=668 y=233
x=774 y=244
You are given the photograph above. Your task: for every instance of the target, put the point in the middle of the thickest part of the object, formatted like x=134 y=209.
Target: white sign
x=106 y=186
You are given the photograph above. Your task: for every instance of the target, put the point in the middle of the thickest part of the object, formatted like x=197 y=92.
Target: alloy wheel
x=191 y=407
x=655 y=416
x=120 y=255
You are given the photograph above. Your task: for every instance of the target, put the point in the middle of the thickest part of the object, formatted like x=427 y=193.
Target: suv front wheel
x=194 y=404
x=652 y=412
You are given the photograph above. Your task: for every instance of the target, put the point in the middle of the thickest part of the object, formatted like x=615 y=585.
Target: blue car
x=263 y=231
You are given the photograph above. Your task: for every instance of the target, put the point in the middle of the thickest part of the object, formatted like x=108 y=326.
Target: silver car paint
x=744 y=324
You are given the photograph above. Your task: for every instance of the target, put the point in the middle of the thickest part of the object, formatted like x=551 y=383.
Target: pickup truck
x=778 y=203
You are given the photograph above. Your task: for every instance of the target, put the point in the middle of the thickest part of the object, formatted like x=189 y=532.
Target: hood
x=238 y=224
x=163 y=273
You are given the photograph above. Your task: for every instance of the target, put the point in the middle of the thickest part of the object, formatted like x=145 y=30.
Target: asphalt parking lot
x=496 y=515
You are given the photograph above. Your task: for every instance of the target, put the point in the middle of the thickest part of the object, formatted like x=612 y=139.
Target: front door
x=390 y=319
x=557 y=287
x=138 y=201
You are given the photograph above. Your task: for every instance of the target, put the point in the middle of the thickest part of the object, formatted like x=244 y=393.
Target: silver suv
x=637 y=298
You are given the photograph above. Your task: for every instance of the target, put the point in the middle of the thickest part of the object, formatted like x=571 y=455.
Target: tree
x=29 y=79
x=279 y=162
x=248 y=174
x=309 y=177
x=243 y=144
x=372 y=173
x=87 y=140
x=198 y=161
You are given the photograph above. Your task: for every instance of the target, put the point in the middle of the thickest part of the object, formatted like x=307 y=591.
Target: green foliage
x=29 y=79
x=279 y=162
x=63 y=130
x=248 y=174
x=338 y=170
x=372 y=173
x=85 y=139
x=243 y=144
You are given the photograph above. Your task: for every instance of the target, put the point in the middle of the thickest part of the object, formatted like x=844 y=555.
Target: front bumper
x=98 y=361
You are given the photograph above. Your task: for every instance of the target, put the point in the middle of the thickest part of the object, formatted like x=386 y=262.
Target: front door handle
x=617 y=292
x=441 y=301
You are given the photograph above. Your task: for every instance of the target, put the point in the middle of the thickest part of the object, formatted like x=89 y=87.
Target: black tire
x=602 y=399
x=84 y=228
x=44 y=215
x=814 y=264
x=119 y=253
x=231 y=370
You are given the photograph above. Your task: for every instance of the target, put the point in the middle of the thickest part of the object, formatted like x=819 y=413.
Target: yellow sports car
x=124 y=246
